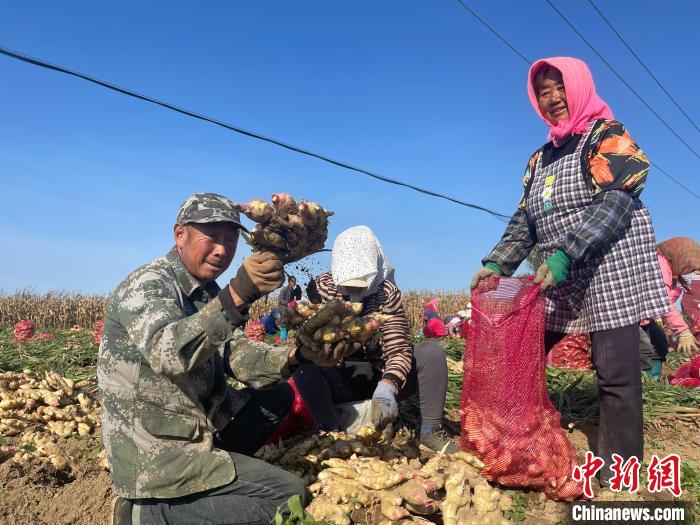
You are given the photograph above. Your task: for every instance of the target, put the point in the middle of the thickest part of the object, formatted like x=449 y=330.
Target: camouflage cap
x=209 y=207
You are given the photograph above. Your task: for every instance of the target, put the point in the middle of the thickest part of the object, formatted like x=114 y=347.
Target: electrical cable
x=641 y=62
x=502 y=39
x=487 y=26
x=41 y=63
x=571 y=25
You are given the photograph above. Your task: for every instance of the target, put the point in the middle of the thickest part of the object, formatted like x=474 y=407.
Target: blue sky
x=415 y=90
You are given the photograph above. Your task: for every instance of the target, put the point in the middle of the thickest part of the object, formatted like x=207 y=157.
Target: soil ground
x=36 y=494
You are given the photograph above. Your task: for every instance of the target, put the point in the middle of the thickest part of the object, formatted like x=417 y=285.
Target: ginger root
x=290 y=229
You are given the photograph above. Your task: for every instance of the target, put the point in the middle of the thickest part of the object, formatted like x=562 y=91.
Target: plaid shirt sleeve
x=516 y=244
x=605 y=218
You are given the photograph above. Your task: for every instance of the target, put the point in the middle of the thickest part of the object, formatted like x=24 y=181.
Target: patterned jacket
x=166 y=349
x=392 y=353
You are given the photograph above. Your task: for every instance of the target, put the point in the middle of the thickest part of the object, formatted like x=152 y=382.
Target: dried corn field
x=61 y=310
x=54 y=309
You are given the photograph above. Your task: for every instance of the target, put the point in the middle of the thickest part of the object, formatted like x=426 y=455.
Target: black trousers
x=322 y=387
x=615 y=356
x=257 y=420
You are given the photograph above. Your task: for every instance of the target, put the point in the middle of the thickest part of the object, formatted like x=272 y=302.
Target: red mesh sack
x=97 y=332
x=297 y=420
x=572 y=352
x=24 y=330
x=508 y=420
x=255 y=331
x=687 y=375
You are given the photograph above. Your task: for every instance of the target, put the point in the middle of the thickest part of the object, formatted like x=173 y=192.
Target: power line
x=502 y=39
x=675 y=180
x=641 y=62
x=487 y=26
x=561 y=15
x=41 y=63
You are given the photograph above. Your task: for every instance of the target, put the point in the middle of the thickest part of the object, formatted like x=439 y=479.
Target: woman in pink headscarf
x=581 y=207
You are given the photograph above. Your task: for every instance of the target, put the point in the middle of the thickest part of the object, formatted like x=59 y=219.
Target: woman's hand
x=487 y=271
x=553 y=271
x=545 y=276
x=385 y=409
x=687 y=343
x=302 y=355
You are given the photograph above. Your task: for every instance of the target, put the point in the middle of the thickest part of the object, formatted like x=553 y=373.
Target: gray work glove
x=385 y=409
x=260 y=274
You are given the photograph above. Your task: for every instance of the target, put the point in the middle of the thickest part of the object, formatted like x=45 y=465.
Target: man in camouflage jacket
x=174 y=430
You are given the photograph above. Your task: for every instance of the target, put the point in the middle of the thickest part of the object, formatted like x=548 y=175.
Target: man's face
x=292 y=282
x=206 y=249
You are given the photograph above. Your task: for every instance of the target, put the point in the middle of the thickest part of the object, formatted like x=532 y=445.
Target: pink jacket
x=673 y=319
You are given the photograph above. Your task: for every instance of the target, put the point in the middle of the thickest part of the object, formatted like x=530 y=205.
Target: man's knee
x=292 y=485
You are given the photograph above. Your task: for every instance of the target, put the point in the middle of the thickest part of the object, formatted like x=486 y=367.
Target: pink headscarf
x=583 y=103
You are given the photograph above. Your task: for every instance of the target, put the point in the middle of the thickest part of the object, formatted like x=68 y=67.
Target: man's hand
x=687 y=343
x=260 y=274
x=482 y=274
x=385 y=410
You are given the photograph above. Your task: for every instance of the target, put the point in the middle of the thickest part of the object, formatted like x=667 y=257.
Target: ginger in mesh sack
x=507 y=417
x=572 y=353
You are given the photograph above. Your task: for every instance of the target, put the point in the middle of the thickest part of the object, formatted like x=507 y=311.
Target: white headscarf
x=357 y=254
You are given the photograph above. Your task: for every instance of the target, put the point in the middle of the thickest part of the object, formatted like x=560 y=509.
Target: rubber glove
x=656 y=368
x=687 y=343
x=554 y=270
x=490 y=268
x=385 y=409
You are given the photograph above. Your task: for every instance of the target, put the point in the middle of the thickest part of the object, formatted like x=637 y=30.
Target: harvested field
x=32 y=492
x=62 y=310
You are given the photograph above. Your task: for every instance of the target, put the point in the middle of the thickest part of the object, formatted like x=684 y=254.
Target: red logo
x=665 y=474
x=625 y=474
x=584 y=473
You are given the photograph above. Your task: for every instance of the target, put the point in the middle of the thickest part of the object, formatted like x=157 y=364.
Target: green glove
x=559 y=264
x=493 y=266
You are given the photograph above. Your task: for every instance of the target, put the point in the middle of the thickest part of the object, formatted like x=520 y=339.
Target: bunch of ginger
x=334 y=324
x=289 y=228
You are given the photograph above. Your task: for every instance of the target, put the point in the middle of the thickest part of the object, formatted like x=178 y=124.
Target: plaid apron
x=618 y=286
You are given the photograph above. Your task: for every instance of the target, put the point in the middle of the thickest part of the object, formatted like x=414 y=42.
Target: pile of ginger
x=356 y=479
